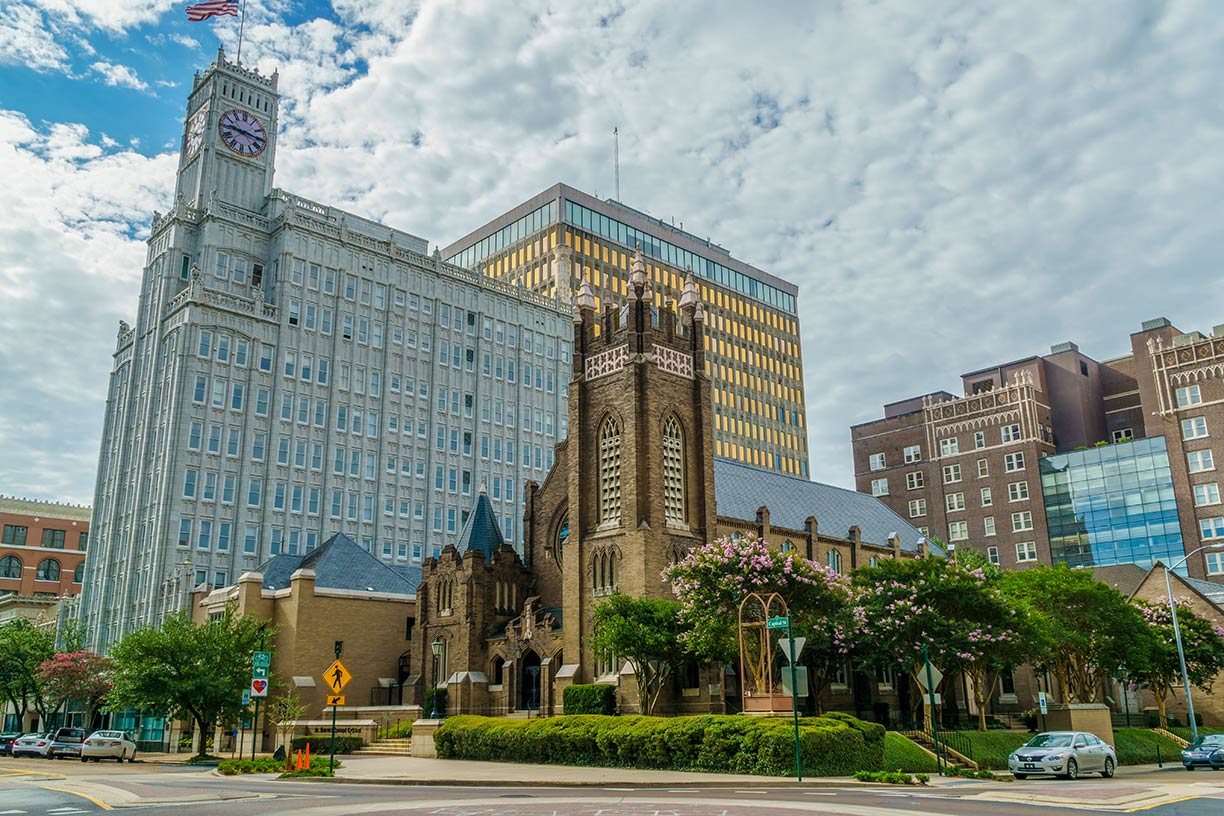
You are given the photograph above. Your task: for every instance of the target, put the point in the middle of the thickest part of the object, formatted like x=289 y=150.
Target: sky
x=951 y=184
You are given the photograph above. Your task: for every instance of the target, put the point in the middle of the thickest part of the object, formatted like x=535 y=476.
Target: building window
x=958 y=531
x=987 y=497
x=48 y=570
x=988 y=525
x=15 y=535
x=914 y=480
x=1013 y=462
x=1022 y=521
x=53 y=539
x=979 y=439
x=1194 y=427
x=1122 y=435
x=1017 y=491
x=992 y=555
x=1206 y=494
x=1215 y=563
x=951 y=474
x=954 y=502
x=835 y=560
x=983 y=468
x=1010 y=433
x=609 y=472
x=605 y=665
x=10 y=567
x=1190 y=395
x=1199 y=461
x=879 y=487
x=877 y=461
x=917 y=508
x=913 y=453
x=673 y=471
x=605 y=569
x=948 y=447
x=1211 y=528
x=1026 y=551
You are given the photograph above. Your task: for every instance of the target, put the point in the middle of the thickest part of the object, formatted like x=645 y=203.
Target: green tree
x=188 y=670
x=647 y=633
x=952 y=609
x=1202 y=644
x=82 y=676
x=23 y=648
x=1083 y=629
x=283 y=710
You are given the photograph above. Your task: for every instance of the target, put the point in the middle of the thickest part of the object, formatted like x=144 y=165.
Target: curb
x=779 y=782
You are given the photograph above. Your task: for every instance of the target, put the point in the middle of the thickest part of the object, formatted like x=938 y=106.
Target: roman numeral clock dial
x=243 y=133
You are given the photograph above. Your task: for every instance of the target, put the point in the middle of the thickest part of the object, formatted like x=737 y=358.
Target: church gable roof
x=741 y=489
x=481 y=532
x=340 y=564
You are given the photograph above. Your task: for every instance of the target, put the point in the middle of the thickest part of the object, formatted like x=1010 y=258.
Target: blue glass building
x=1112 y=505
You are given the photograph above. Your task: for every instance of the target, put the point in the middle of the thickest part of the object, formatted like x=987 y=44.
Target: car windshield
x=1050 y=741
x=1209 y=741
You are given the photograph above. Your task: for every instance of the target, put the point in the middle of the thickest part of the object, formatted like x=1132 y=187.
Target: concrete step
x=385 y=751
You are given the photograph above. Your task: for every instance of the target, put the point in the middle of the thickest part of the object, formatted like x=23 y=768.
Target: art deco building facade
x=563 y=235
x=1064 y=459
x=296 y=371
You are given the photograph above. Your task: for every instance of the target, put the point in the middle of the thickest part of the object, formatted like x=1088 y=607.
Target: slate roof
x=740 y=489
x=340 y=564
x=1125 y=578
x=481 y=532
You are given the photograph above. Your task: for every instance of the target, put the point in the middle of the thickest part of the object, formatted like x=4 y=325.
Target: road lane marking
x=1162 y=804
x=85 y=796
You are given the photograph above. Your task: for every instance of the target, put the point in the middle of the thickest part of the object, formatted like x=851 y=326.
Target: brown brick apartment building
x=42 y=547
x=1063 y=458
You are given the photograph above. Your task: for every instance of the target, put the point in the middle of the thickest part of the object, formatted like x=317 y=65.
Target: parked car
x=115 y=745
x=1207 y=751
x=32 y=745
x=1063 y=753
x=6 y=743
x=66 y=743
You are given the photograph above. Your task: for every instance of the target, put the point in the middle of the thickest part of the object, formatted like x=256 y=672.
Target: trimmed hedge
x=589 y=699
x=320 y=745
x=903 y=754
x=259 y=765
x=830 y=745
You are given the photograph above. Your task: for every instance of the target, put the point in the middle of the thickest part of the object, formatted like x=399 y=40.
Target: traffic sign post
x=336 y=677
x=930 y=684
x=794 y=652
x=261 y=661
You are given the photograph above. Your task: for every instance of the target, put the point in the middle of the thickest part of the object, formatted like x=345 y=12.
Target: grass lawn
x=903 y=754
x=990 y=749
x=1184 y=733
x=1137 y=746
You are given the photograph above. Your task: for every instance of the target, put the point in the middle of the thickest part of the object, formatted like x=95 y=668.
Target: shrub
x=230 y=767
x=889 y=777
x=319 y=766
x=904 y=754
x=829 y=746
x=321 y=744
x=399 y=730
x=590 y=699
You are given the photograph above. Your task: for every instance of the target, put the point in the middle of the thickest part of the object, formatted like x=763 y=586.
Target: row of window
x=48 y=569
x=15 y=536
x=1016 y=491
x=1021 y=521
x=947 y=447
x=1025 y=551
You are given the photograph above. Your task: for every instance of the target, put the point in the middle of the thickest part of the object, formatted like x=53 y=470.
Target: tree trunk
x=1161 y=707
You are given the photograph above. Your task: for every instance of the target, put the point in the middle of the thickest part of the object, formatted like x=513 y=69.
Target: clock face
x=243 y=133
x=195 y=132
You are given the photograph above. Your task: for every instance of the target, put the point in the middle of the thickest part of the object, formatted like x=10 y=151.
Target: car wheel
x=132 y=758
x=1072 y=769
x=1108 y=771
x=83 y=759
x=1189 y=767
x=1020 y=776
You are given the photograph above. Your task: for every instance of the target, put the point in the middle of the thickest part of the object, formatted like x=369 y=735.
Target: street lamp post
x=1181 y=653
x=436 y=648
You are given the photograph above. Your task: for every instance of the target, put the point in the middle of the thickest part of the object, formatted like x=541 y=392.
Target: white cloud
x=26 y=39
x=109 y=15
x=119 y=75
x=950 y=188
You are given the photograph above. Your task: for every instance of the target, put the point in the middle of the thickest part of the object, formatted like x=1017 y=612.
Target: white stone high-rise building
x=296 y=371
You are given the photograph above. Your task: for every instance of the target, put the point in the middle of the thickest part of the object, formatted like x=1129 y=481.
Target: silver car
x=32 y=745
x=1063 y=753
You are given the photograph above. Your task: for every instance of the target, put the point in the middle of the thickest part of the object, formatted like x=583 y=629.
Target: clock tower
x=229 y=136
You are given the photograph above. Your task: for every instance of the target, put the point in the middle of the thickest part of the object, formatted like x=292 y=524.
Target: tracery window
x=605 y=568
x=673 y=471
x=609 y=472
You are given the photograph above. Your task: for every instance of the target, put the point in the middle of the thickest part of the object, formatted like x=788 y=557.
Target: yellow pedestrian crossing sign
x=335 y=700
x=336 y=677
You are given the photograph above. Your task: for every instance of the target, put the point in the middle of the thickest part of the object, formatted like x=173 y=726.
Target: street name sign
x=780 y=622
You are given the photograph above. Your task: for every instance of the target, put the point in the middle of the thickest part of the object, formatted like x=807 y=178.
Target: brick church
x=633 y=488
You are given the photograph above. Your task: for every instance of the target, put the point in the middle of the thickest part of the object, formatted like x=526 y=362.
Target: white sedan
x=108 y=745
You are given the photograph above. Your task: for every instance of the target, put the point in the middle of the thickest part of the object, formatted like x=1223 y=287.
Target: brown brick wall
x=33 y=553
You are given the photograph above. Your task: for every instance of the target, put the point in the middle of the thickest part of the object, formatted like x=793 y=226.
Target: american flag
x=212 y=8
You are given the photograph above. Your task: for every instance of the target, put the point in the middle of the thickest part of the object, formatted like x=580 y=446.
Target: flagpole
x=241 y=24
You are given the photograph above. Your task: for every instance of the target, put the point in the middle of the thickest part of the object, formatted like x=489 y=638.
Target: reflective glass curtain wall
x=1112 y=505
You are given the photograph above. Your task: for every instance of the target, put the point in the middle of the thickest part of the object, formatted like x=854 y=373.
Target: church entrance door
x=529 y=681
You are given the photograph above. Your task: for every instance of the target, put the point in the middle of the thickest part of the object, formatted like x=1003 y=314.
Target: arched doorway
x=529 y=681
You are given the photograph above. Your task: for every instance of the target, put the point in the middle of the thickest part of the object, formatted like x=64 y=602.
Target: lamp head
x=436 y=647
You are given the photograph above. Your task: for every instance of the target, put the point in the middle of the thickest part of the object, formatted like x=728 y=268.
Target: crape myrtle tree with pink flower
x=958 y=612
x=712 y=581
x=1160 y=670
x=81 y=676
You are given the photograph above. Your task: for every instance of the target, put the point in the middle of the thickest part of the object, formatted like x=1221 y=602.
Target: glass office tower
x=1112 y=505
x=552 y=241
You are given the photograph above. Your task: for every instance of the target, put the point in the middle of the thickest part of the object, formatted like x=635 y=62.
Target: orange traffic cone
x=298 y=765
x=306 y=763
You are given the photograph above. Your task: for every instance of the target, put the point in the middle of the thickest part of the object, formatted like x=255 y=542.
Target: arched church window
x=609 y=472
x=787 y=546
x=673 y=471
x=835 y=560
x=563 y=533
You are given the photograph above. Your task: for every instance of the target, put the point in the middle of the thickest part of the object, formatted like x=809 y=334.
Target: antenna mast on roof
x=616 y=157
